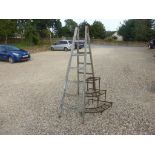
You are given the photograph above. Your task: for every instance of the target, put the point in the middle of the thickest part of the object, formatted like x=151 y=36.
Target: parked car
x=81 y=44
x=66 y=45
x=13 y=54
x=62 y=45
x=152 y=44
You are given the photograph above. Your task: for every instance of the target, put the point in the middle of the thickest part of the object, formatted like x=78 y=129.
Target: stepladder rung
x=83 y=52
x=80 y=54
x=69 y=94
x=73 y=81
x=82 y=63
x=86 y=73
x=79 y=68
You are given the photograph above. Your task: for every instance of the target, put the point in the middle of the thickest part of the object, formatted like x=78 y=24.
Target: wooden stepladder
x=77 y=83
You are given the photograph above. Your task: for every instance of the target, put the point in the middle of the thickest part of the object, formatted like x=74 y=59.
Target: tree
x=7 y=28
x=66 y=32
x=153 y=23
x=143 y=29
x=68 y=29
x=82 y=28
x=31 y=34
x=109 y=33
x=57 y=27
x=98 y=30
x=21 y=24
x=127 y=30
x=43 y=26
x=34 y=29
x=137 y=30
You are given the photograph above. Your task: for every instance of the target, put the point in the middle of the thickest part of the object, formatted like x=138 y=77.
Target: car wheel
x=11 y=60
x=150 y=47
x=65 y=49
x=52 y=49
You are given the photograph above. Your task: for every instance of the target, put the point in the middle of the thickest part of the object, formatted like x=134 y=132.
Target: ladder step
x=84 y=52
x=77 y=54
x=82 y=63
x=70 y=81
x=86 y=73
x=80 y=53
x=75 y=95
x=77 y=68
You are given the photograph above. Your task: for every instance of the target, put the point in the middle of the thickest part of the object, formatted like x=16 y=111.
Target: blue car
x=13 y=54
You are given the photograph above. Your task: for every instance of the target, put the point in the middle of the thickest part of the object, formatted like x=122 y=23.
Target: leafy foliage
x=7 y=28
x=98 y=30
x=109 y=33
x=33 y=30
x=137 y=30
x=56 y=27
x=82 y=28
x=42 y=26
x=68 y=29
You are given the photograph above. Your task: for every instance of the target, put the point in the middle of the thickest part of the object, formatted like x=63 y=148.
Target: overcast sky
x=110 y=24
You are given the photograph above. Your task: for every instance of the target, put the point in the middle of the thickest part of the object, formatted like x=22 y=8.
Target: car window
x=63 y=42
x=59 y=43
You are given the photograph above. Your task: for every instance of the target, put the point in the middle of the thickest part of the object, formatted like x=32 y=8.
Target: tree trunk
x=50 y=39
x=6 y=38
x=50 y=35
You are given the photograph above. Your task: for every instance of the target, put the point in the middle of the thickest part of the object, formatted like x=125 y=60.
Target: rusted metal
x=96 y=98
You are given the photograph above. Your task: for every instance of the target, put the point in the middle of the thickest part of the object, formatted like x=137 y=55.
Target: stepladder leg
x=82 y=114
x=105 y=95
x=60 y=110
x=83 y=109
x=59 y=113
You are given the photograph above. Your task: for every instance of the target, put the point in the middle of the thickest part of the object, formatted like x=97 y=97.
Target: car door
x=153 y=43
x=57 y=46
x=3 y=54
x=63 y=44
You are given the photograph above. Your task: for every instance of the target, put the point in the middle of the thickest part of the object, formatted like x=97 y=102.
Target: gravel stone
x=30 y=94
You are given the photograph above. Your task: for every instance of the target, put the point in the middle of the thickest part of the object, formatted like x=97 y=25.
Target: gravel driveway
x=30 y=93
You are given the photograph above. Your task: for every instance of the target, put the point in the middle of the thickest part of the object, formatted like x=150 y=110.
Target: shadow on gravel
x=153 y=86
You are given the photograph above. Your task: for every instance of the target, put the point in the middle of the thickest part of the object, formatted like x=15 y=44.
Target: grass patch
x=123 y=43
x=44 y=45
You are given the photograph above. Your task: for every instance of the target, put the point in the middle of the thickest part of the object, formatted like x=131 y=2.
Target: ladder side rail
x=70 y=59
x=91 y=58
x=78 y=87
x=84 y=75
x=67 y=73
